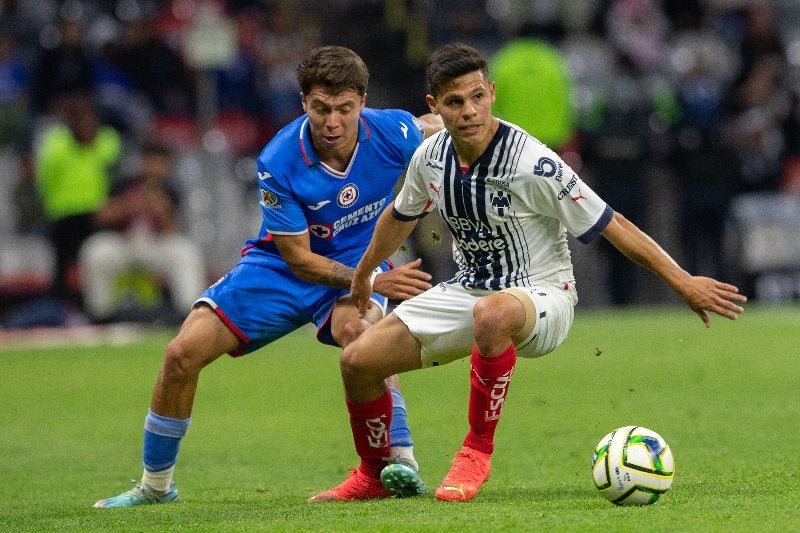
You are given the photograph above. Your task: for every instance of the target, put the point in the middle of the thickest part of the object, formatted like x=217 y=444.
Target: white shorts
x=441 y=319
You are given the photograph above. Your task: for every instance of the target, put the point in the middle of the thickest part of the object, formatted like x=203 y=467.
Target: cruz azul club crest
x=501 y=202
x=347 y=195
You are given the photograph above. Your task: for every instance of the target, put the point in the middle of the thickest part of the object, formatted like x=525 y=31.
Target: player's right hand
x=360 y=291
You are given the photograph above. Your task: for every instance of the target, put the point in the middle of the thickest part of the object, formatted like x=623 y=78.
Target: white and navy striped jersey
x=509 y=212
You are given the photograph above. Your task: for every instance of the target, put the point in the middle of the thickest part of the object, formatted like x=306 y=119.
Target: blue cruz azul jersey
x=299 y=194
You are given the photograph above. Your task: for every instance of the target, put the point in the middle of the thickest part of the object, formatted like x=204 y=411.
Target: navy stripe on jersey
x=510 y=152
x=495 y=252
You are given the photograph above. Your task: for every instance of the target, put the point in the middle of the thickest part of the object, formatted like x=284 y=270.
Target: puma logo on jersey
x=404 y=129
x=318 y=205
x=579 y=197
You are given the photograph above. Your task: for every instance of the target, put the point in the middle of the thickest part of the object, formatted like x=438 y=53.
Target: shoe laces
x=468 y=466
x=141 y=491
x=353 y=483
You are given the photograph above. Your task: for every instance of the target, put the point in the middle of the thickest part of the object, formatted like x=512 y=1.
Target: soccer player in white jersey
x=508 y=201
x=322 y=183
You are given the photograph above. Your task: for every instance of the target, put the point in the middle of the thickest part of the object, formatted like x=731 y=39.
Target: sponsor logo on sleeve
x=568 y=188
x=269 y=200
x=548 y=168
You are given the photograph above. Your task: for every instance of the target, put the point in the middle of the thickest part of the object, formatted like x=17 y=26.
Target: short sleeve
x=412 y=200
x=560 y=193
x=280 y=210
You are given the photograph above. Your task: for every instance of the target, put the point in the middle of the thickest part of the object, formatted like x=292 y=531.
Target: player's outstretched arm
x=389 y=234
x=400 y=283
x=700 y=293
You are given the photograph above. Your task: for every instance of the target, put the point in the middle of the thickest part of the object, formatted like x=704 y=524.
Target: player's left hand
x=403 y=282
x=704 y=294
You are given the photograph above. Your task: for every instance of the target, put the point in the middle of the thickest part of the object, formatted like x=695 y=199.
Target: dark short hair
x=450 y=61
x=334 y=67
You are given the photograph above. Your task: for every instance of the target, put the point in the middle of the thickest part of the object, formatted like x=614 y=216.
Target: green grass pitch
x=270 y=430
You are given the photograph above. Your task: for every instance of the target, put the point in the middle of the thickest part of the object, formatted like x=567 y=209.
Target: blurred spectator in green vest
x=74 y=165
x=538 y=87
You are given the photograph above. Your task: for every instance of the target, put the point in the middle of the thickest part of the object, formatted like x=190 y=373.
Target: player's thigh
x=385 y=348
x=441 y=320
x=347 y=325
x=550 y=312
x=202 y=337
x=259 y=303
x=335 y=316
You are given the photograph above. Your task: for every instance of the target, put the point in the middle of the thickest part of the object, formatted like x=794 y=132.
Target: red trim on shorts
x=266 y=238
x=243 y=339
x=324 y=326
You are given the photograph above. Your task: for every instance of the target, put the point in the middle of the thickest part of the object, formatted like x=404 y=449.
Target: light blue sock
x=162 y=438
x=399 y=432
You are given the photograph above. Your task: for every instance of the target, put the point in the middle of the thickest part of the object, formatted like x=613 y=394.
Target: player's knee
x=349 y=359
x=179 y=364
x=353 y=363
x=494 y=320
x=347 y=332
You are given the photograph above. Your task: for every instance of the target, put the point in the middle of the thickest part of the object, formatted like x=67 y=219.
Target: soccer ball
x=632 y=465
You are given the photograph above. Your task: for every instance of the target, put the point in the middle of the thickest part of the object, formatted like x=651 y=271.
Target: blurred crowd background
x=682 y=114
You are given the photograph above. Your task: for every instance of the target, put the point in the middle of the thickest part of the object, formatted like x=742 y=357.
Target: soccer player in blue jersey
x=508 y=201
x=323 y=181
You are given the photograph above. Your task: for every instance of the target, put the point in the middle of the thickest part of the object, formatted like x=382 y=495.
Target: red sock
x=489 y=380
x=370 y=424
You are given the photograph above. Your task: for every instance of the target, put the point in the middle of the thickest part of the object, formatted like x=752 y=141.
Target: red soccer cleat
x=357 y=486
x=470 y=469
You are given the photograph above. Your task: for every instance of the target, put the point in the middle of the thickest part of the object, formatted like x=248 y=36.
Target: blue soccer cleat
x=402 y=480
x=139 y=495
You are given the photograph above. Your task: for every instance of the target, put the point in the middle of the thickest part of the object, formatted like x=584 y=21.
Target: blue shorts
x=261 y=300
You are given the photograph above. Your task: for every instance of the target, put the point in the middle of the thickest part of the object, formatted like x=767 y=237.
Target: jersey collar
x=307 y=149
